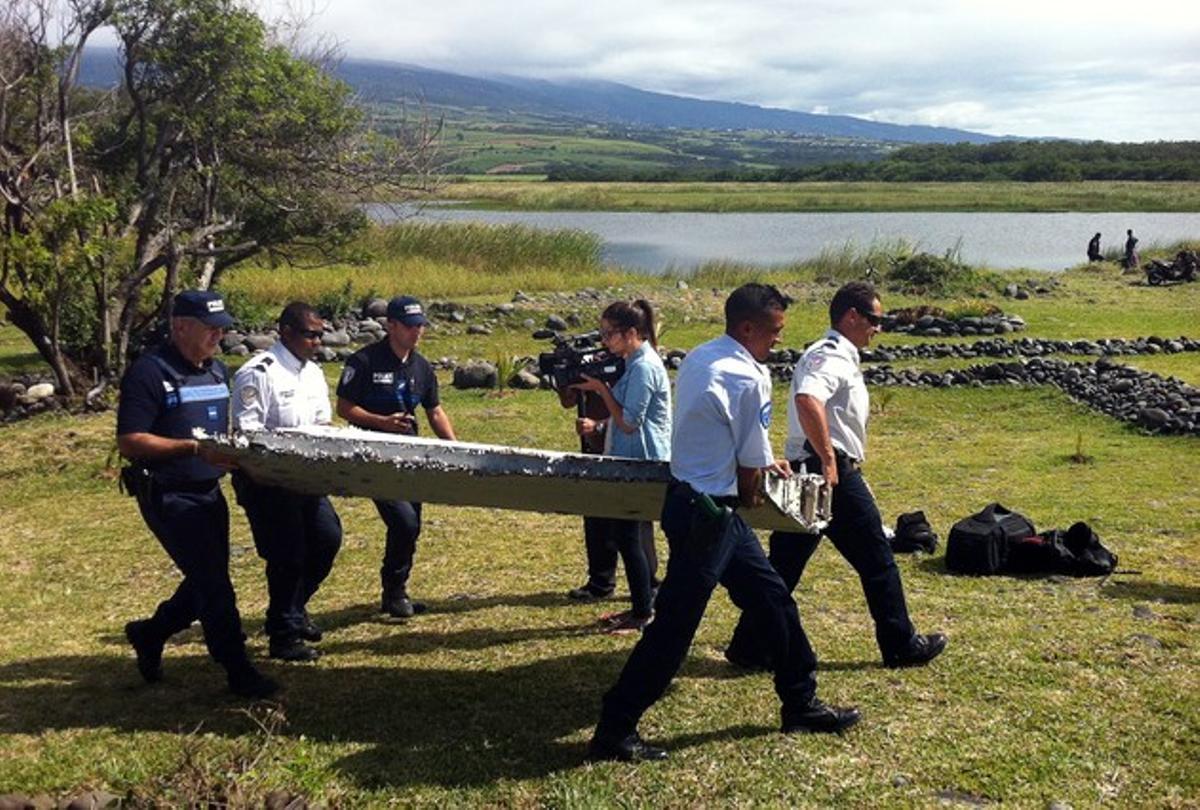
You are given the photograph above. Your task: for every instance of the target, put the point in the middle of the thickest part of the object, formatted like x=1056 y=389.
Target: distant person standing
x=1131 y=255
x=1094 y=254
x=381 y=388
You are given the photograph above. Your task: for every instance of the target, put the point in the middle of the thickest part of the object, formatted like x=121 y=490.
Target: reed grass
x=435 y=260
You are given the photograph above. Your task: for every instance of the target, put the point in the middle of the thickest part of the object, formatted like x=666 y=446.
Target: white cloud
x=1094 y=69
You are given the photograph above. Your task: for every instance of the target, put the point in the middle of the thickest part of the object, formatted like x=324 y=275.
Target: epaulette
x=262 y=363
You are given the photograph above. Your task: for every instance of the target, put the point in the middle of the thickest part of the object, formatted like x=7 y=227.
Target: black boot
x=816 y=717
x=293 y=648
x=396 y=602
x=148 y=645
x=246 y=681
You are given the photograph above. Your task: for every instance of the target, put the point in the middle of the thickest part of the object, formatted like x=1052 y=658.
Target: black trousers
x=856 y=531
x=192 y=526
x=629 y=537
x=298 y=536
x=403 y=521
x=602 y=551
x=734 y=559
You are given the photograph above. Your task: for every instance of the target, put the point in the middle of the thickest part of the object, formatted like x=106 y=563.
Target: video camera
x=577 y=355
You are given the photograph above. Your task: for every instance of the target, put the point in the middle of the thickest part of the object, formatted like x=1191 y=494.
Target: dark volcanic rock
x=475 y=375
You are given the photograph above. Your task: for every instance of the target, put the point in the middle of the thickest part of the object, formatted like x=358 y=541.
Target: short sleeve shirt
x=829 y=372
x=722 y=414
x=378 y=381
x=276 y=389
x=163 y=394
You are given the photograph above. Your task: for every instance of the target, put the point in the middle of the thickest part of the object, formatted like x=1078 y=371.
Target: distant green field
x=733 y=197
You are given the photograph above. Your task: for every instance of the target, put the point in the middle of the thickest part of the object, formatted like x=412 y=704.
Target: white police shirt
x=722 y=412
x=275 y=389
x=829 y=372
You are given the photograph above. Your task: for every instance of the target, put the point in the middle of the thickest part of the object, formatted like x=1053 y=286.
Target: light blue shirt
x=644 y=392
x=723 y=410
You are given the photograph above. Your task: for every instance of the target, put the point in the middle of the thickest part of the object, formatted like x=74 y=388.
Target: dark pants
x=193 y=528
x=403 y=521
x=298 y=536
x=629 y=537
x=602 y=552
x=736 y=560
x=857 y=533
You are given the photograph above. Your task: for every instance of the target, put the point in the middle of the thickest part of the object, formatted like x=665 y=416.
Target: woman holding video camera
x=638 y=426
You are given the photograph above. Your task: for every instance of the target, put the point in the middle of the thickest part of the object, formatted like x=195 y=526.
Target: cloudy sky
x=1118 y=71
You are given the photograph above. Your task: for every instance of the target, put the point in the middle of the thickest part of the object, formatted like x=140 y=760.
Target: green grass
x=728 y=197
x=1051 y=690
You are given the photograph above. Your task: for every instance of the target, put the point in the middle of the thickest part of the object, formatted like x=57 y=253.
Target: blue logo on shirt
x=764 y=416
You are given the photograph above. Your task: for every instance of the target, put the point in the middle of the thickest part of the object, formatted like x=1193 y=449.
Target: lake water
x=654 y=242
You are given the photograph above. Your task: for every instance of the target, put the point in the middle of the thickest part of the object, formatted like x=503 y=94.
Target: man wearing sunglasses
x=827 y=434
x=298 y=535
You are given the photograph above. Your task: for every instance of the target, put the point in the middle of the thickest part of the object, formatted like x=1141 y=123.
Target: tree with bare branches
x=219 y=145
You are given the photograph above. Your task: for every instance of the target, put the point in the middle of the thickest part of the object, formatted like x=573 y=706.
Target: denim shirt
x=644 y=392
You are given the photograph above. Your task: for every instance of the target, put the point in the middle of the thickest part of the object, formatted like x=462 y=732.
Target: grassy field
x=729 y=197
x=1079 y=691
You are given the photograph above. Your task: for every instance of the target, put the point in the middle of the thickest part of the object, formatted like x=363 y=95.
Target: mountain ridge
x=587 y=100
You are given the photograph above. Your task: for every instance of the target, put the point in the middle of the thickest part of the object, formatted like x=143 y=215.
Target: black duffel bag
x=1076 y=552
x=979 y=544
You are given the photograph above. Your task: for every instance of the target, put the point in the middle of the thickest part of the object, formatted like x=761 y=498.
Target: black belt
x=731 y=501
x=838 y=454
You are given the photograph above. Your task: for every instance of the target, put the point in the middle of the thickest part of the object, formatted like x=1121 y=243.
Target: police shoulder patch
x=347 y=374
x=764 y=415
x=248 y=395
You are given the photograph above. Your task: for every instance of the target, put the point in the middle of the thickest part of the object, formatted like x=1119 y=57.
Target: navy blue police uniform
x=180 y=498
x=379 y=382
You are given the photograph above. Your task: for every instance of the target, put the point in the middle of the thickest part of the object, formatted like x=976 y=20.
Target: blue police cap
x=407 y=310
x=204 y=305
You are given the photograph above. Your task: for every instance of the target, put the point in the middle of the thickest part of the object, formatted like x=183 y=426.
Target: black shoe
x=586 y=593
x=631 y=748
x=294 y=650
x=817 y=718
x=401 y=607
x=309 y=630
x=246 y=681
x=746 y=662
x=920 y=652
x=148 y=646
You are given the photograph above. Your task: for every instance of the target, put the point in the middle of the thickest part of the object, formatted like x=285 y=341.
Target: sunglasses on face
x=871 y=317
x=311 y=334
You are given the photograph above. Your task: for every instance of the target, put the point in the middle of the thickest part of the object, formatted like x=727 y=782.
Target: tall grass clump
x=851 y=262
x=434 y=260
x=487 y=248
x=946 y=275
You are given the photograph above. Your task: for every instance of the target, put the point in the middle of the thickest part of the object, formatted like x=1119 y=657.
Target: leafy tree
x=220 y=145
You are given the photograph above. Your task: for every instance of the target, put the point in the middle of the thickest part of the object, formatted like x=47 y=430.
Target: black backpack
x=1091 y=558
x=913 y=533
x=979 y=544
